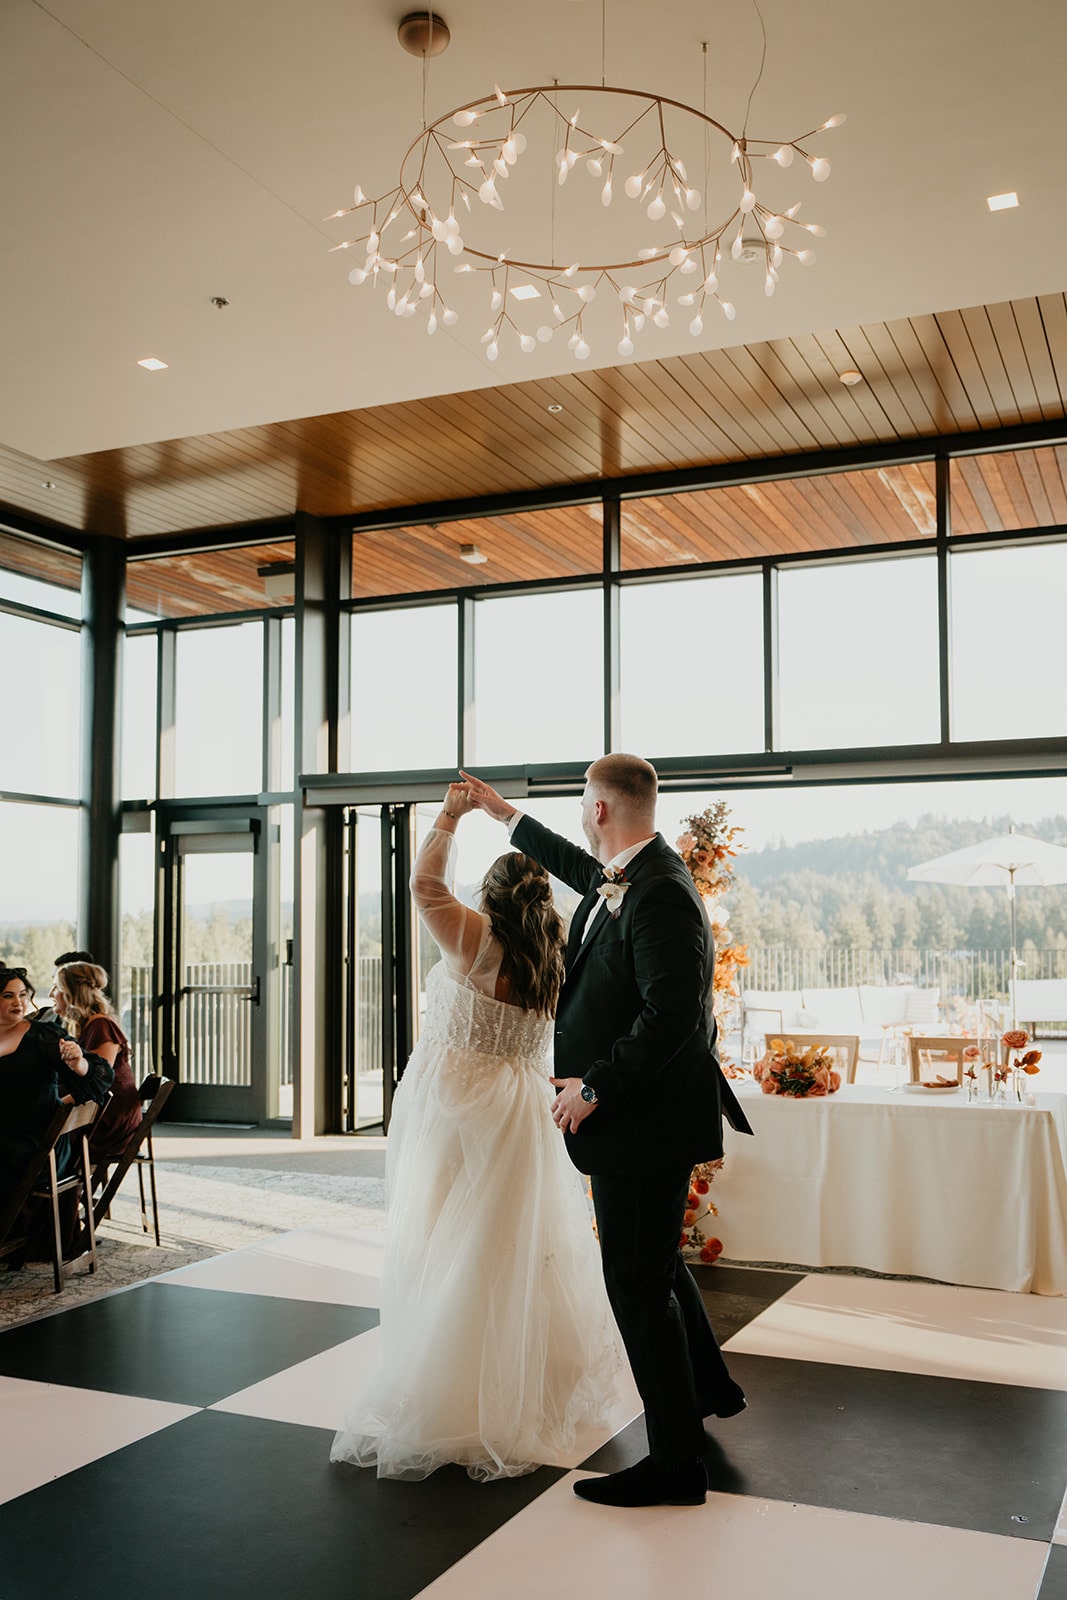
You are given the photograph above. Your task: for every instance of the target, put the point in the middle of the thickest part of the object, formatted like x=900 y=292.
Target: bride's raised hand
x=457 y=801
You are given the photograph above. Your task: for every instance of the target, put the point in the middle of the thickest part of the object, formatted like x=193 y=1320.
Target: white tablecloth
x=927 y=1186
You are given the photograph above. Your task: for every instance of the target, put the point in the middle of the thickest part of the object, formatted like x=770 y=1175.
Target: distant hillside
x=853 y=890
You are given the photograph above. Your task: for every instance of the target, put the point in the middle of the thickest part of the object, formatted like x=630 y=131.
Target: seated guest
x=78 y=995
x=41 y=1068
x=44 y=1012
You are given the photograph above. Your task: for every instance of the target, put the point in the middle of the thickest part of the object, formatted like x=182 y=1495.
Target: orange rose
x=693 y=1201
x=702 y=1186
x=712 y=1250
x=768 y=1085
x=971 y=1053
x=689 y=1218
x=1015 y=1039
x=835 y=1082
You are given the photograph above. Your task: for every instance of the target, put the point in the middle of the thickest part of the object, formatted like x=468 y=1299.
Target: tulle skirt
x=497 y=1342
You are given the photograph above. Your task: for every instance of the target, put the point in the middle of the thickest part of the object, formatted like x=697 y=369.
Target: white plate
x=931 y=1088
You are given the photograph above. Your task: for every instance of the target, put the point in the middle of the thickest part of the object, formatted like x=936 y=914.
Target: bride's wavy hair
x=517 y=898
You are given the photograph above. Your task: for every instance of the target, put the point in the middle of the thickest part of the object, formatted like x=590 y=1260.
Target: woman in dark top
x=82 y=1006
x=41 y=1067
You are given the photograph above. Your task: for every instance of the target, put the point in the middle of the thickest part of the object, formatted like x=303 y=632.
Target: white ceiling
x=160 y=152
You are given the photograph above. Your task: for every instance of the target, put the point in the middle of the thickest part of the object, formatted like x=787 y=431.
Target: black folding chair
x=40 y=1181
x=154 y=1093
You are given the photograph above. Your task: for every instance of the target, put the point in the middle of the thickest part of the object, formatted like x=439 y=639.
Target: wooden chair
x=843 y=1047
x=930 y=1057
x=154 y=1094
x=40 y=1181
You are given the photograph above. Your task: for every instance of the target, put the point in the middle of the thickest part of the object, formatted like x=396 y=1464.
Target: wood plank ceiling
x=955 y=372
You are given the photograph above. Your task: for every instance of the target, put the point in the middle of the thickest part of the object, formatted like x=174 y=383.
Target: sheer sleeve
x=459 y=931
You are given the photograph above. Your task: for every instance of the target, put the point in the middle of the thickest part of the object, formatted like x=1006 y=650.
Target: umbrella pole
x=1014 y=955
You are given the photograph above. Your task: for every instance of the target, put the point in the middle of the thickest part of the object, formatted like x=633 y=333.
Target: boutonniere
x=613 y=889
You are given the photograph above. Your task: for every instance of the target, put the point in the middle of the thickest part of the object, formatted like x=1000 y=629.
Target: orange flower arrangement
x=785 y=1069
x=1017 y=1039
x=700 y=1208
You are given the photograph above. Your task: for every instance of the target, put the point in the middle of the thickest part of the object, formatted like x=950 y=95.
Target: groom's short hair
x=629 y=779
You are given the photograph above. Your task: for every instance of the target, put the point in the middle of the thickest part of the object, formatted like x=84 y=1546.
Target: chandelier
x=478 y=196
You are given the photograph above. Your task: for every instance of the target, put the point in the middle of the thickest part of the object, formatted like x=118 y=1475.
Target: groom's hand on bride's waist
x=569 y=1108
x=486 y=799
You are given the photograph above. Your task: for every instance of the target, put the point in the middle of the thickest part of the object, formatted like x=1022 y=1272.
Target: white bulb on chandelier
x=836 y=120
x=687 y=299
x=626 y=345
x=774 y=227
x=595 y=166
x=692 y=199
x=820 y=169
x=696 y=327
x=488 y=334
x=557 y=312
x=449 y=318
x=473 y=161
x=357 y=275
x=815 y=229
x=679 y=167
x=390 y=299
x=451 y=223
x=581 y=350
x=431 y=325
x=747 y=201
x=454 y=245
x=688 y=266
x=711 y=283
x=463 y=119
x=575 y=266
x=737 y=247
x=358 y=197
x=510 y=151
x=639 y=321
x=656 y=209
x=605 y=193
x=729 y=311
x=487 y=193
x=496 y=300
x=805 y=257
x=649 y=304
x=439 y=228
x=649 y=254
x=634 y=184
x=492 y=351
x=776 y=256
x=500 y=167
x=519 y=141
x=586 y=293
x=544 y=333
x=678 y=255
x=572 y=342
x=420 y=270
x=661 y=319
x=527 y=343
x=373 y=241
x=626 y=293
x=385 y=264
x=784 y=155
x=768 y=287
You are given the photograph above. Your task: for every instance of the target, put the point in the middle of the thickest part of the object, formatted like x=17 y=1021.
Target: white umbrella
x=1010 y=859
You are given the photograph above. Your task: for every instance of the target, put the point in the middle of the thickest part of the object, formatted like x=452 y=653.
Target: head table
x=919 y=1184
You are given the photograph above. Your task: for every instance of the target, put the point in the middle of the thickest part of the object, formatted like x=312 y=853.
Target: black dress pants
x=676 y=1361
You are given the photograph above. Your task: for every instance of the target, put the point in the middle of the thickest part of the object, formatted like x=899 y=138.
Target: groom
x=640 y=1099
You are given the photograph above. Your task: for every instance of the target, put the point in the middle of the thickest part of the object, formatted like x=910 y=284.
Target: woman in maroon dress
x=83 y=1009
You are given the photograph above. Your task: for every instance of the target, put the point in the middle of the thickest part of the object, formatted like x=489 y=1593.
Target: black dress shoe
x=727 y=1404
x=649 y=1483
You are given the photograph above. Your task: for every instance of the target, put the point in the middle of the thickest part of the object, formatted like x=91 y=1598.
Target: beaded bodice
x=460 y=1017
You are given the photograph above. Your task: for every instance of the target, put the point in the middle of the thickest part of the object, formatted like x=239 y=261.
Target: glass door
x=214 y=1003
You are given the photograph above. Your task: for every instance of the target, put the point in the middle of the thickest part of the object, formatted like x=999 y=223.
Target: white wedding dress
x=497 y=1341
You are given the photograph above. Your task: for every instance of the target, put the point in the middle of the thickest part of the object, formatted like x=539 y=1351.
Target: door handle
x=253 y=993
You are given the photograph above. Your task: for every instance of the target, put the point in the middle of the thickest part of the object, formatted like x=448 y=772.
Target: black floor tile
x=238 y=1508
x=163 y=1341
x=923 y=1449
x=734 y=1295
x=1054 y=1583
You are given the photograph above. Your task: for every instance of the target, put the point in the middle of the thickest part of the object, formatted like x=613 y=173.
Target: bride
x=497 y=1342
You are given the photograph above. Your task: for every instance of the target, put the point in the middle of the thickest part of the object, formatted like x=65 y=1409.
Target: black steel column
x=103 y=633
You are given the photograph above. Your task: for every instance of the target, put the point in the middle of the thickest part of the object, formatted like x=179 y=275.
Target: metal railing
x=216 y=1024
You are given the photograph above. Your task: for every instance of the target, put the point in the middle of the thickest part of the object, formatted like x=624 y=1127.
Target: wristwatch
x=589 y=1094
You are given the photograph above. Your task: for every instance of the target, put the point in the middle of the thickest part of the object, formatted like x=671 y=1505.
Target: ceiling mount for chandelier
x=459 y=176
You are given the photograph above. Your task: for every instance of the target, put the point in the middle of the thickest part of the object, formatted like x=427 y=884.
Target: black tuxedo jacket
x=635 y=1017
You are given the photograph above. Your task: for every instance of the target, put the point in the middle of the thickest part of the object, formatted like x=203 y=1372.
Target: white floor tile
x=948 y=1332
x=763 y=1550
x=49 y=1429
x=1060 y=1536
x=316 y=1392
x=322 y=1264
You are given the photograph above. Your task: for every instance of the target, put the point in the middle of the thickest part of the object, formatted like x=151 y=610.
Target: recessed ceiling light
x=851 y=377
x=1003 y=202
x=555 y=407
x=47 y=483
x=526 y=291
x=151 y=364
